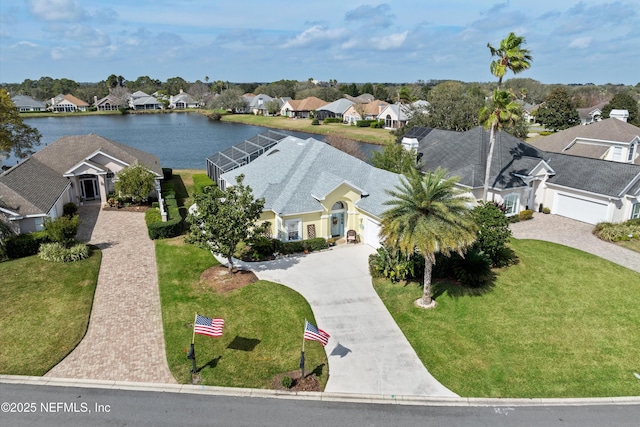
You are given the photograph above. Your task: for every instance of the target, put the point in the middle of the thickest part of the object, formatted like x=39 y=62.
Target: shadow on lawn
x=454 y=289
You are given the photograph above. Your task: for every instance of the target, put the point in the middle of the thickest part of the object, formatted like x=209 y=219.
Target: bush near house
x=525 y=215
x=173 y=226
x=332 y=120
x=624 y=231
x=24 y=245
x=201 y=181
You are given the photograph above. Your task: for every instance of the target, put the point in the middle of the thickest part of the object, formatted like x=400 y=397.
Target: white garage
x=371 y=232
x=582 y=209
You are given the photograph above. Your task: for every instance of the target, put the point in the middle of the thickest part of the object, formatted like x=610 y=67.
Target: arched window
x=337 y=206
x=387 y=121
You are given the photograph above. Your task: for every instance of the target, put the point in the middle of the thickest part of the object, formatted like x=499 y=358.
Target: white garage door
x=584 y=210
x=371 y=232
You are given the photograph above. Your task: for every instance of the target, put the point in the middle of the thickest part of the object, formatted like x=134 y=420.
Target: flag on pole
x=315 y=334
x=207 y=326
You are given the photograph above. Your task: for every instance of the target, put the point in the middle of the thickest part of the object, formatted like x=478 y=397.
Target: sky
x=589 y=41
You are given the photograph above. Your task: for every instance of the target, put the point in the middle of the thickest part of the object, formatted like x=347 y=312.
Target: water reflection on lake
x=180 y=140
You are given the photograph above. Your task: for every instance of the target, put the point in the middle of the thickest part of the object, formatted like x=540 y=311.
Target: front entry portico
x=89 y=188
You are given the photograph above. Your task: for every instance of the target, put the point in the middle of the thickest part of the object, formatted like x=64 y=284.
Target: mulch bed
x=309 y=383
x=219 y=279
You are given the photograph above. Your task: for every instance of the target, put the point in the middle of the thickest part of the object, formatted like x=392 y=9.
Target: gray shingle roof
x=295 y=170
x=464 y=154
x=337 y=107
x=26 y=101
x=68 y=151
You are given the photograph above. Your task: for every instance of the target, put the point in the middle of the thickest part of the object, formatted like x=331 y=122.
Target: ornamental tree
x=135 y=182
x=558 y=111
x=15 y=136
x=222 y=219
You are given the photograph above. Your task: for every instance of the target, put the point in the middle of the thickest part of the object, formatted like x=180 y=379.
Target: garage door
x=371 y=232
x=584 y=210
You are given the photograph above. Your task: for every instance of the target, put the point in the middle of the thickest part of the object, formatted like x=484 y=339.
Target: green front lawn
x=45 y=311
x=263 y=329
x=561 y=323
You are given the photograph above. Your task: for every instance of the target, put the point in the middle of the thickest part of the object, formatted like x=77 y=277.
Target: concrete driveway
x=575 y=234
x=367 y=351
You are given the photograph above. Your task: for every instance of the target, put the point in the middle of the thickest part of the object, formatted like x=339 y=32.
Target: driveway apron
x=124 y=341
x=575 y=234
x=367 y=351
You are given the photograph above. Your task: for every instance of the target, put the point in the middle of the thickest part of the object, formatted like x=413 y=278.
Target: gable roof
x=308 y=104
x=610 y=130
x=297 y=174
x=588 y=112
x=66 y=152
x=71 y=99
x=337 y=107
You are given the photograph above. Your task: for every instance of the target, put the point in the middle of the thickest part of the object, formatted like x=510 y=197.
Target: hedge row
x=201 y=181
x=332 y=120
x=24 y=245
x=315 y=244
x=172 y=227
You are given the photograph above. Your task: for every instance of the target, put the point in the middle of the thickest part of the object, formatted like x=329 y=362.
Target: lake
x=180 y=140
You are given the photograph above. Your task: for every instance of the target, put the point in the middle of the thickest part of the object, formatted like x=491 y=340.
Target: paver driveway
x=367 y=351
x=125 y=339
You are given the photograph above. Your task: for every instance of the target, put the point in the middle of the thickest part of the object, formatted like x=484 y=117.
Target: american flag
x=208 y=326
x=315 y=334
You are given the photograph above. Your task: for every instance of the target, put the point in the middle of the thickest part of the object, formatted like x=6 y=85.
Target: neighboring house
x=68 y=104
x=182 y=101
x=25 y=103
x=314 y=190
x=301 y=108
x=592 y=114
x=525 y=177
x=396 y=115
x=70 y=169
x=365 y=98
x=141 y=101
x=364 y=111
x=528 y=111
x=609 y=139
x=335 y=109
x=257 y=104
x=109 y=103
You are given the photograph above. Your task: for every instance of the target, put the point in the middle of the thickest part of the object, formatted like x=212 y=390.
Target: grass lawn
x=561 y=323
x=45 y=311
x=264 y=322
x=366 y=134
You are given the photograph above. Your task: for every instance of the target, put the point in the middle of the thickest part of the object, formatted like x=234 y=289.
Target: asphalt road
x=31 y=405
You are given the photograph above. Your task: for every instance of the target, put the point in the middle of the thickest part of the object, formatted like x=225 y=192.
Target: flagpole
x=192 y=351
x=193 y=337
x=302 y=353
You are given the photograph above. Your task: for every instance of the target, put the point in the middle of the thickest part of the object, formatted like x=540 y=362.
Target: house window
x=617 y=153
x=293 y=229
x=635 y=211
x=632 y=149
x=388 y=122
x=511 y=203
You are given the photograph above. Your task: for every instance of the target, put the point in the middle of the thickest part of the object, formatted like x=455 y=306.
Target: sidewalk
x=125 y=340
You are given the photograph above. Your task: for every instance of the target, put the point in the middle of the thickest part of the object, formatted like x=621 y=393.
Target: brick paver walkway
x=576 y=234
x=125 y=339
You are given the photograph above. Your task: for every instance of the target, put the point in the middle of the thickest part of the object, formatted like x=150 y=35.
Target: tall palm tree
x=428 y=214
x=501 y=111
x=511 y=56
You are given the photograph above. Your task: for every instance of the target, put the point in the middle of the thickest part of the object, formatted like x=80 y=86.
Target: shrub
x=62 y=230
x=172 y=227
x=315 y=122
x=24 y=245
x=546 y=210
x=287 y=382
x=474 y=270
x=152 y=215
x=365 y=123
x=315 y=244
x=617 y=232
x=201 y=181
x=332 y=120
x=57 y=252
x=262 y=247
x=393 y=264
x=292 y=247
x=493 y=230
x=167 y=173
x=69 y=209
x=525 y=215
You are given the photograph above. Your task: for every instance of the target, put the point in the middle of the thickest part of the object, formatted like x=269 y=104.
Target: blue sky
x=589 y=41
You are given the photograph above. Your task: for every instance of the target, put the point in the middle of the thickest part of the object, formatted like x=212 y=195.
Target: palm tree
x=511 y=56
x=428 y=214
x=501 y=111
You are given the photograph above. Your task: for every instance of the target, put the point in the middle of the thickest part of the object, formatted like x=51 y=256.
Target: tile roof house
x=68 y=104
x=609 y=139
x=526 y=177
x=25 y=103
x=314 y=190
x=70 y=169
x=301 y=108
x=364 y=111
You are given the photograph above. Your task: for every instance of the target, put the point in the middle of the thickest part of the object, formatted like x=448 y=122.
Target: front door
x=337 y=224
x=89 y=188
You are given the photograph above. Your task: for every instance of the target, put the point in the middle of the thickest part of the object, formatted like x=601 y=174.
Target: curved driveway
x=575 y=234
x=367 y=351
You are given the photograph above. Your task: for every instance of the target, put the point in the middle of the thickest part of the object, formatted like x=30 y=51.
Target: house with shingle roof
x=364 y=111
x=396 y=115
x=591 y=114
x=70 y=169
x=141 y=101
x=182 y=100
x=301 y=108
x=609 y=139
x=335 y=109
x=523 y=176
x=314 y=190
x=68 y=104
x=26 y=103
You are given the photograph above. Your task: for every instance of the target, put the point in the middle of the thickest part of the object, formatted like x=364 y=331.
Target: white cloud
x=57 y=10
x=315 y=34
x=581 y=42
x=392 y=41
